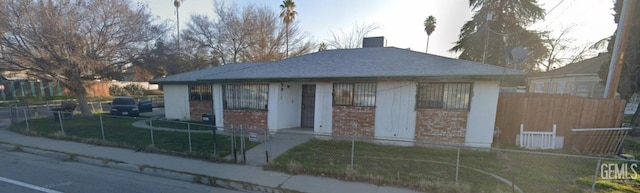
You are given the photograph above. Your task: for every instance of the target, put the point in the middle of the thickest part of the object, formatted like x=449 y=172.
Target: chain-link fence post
x=215 y=140
x=353 y=148
x=14 y=118
x=26 y=118
x=595 y=177
x=151 y=130
x=233 y=144
x=266 y=145
x=189 y=134
x=242 y=152
x=457 y=164
x=269 y=143
x=102 y=129
x=60 y=119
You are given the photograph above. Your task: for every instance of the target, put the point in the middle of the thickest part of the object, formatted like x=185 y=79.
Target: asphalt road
x=26 y=173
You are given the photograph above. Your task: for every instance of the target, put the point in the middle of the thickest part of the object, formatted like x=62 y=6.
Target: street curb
x=146 y=169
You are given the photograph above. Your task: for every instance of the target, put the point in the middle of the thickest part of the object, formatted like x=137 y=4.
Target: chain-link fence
x=228 y=144
x=427 y=167
x=20 y=113
x=452 y=168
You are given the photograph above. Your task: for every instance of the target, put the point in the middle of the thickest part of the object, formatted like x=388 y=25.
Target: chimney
x=373 y=42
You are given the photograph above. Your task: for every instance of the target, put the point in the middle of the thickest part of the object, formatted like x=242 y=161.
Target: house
x=580 y=78
x=381 y=92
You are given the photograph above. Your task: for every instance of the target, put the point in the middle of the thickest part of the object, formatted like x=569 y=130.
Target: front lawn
x=118 y=131
x=433 y=169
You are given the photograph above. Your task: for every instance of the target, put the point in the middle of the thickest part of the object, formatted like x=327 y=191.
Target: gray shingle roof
x=386 y=62
x=588 y=66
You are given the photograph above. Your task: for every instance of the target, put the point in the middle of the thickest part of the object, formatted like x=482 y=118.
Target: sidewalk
x=238 y=177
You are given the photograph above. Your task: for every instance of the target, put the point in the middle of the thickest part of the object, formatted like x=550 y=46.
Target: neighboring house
x=580 y=79
x=382 y=92
x=19 y=84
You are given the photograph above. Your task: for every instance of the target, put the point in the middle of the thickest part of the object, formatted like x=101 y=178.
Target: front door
x=308 y=105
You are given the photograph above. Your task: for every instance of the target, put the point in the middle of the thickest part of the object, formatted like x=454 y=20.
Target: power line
x=522 y=29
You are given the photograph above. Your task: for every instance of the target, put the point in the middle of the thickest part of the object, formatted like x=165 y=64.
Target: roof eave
x=456 y=78
x=561 y=76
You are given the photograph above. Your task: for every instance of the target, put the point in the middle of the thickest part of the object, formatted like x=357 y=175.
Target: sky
x=401 y=21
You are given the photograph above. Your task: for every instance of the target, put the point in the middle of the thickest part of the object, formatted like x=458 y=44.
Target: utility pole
x=486 y=41
x=619 y=49
x=177 y=3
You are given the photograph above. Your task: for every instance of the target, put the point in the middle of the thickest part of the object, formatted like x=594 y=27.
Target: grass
x=433 y=169
x=632 y=146
x=631 y=185
x=627 y=118
x=120 y=132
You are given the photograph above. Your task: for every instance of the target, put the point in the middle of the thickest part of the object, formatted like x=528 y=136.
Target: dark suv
x=129 y=107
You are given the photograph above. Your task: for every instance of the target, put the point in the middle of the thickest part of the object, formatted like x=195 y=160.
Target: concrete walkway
x=231 y=176
x=278 y=143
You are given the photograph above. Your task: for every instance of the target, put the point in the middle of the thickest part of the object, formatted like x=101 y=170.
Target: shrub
x=115 y=90
x=134 y=89
x=128 y=90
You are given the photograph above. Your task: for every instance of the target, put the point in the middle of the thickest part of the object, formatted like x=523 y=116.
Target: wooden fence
x=539 y=112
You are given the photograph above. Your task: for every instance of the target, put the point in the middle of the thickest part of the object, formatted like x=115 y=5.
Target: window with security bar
x=245 y=96
x=354 y=94
x=200 y=92
x=444 y=95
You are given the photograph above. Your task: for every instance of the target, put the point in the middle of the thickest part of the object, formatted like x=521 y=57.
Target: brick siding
x=246 y=118
x=199 y=107
x=349 y=120
x=441 y=125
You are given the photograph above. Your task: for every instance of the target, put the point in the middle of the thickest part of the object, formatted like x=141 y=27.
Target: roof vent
x=373 y=42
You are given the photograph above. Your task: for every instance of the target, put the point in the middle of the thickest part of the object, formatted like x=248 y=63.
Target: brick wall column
x=350 y=120
x=199 y=107
x=441 y=125
x=254 y=119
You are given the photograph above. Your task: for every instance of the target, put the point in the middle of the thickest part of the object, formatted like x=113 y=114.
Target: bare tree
x=246 y=35
x=70 y=41
x=352 y=38
x=561 y=50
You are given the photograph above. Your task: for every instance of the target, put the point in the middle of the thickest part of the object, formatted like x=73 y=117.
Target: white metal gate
x=537 y=139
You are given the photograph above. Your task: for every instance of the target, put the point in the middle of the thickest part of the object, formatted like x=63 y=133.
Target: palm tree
x=429 y=27
x=288 y=14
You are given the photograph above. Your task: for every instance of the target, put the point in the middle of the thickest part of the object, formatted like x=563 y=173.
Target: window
x=245 y=96
x=200 y=92
x=444 y=95
x=123 y=101
x=354 y=94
